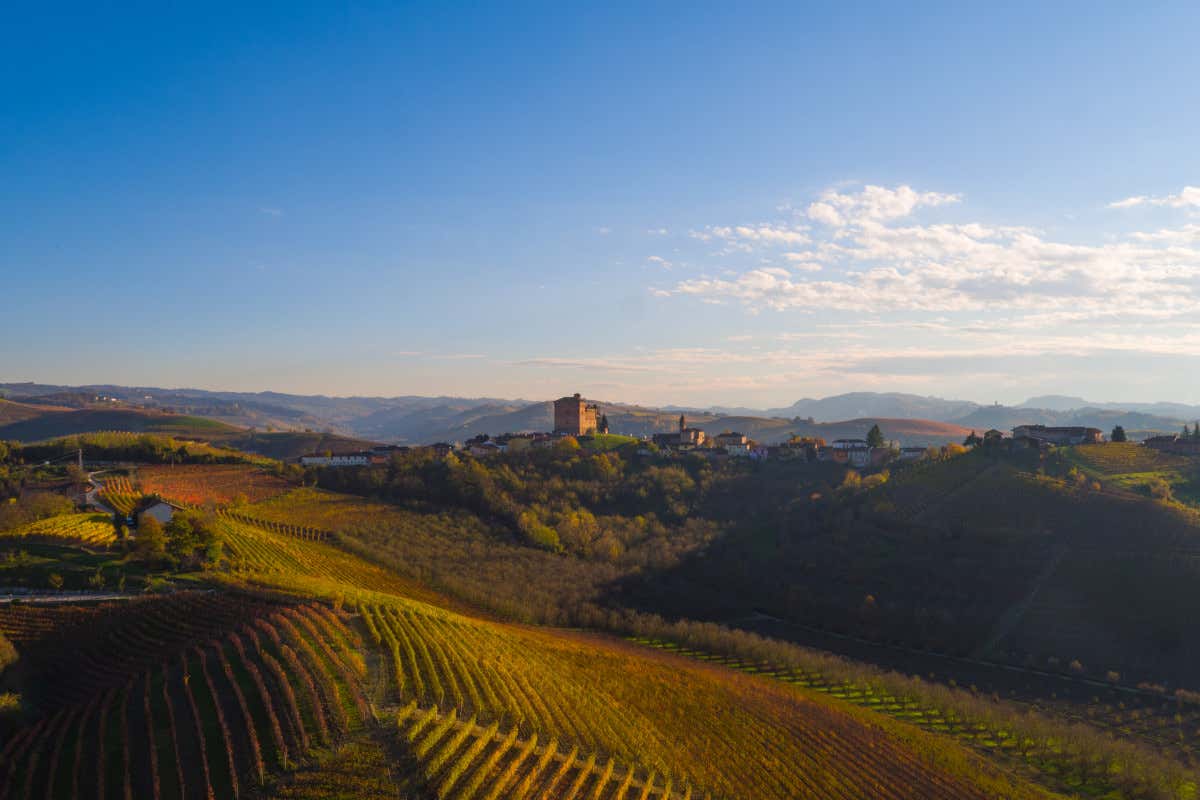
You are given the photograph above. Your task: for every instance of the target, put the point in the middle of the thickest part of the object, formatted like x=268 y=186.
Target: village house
x=684 y=439
x=350 y=460
x=484 y=449
x=734 y=443
x=1173 y=443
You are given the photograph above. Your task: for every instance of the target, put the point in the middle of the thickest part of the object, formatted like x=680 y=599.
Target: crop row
x=196 y=484
x=289 y=561
x=1068 y=755
x=464 y=760
x=282 y=528
x=90 y=530
x=212 y=722
x=124 y=503
x=649 y=715
x=75 y=653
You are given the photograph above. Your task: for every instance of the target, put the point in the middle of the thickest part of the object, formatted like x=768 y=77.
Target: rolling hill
x=50 y=423
x=228 y=690
x=424 y=420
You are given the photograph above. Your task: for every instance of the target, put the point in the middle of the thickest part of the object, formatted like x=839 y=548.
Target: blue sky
x=736 y=204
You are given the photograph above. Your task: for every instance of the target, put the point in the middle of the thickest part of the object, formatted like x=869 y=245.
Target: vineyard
x=1118 y=458
x=77 y=651
x=1136 y=468
x=88 y=530
x=1075 y=757
x=213 y=721
x=465 y=760
x=263 y=553
x=673 y=723
x=249 y=688
x=120 y=495
x=323 y=510
x=195 y=484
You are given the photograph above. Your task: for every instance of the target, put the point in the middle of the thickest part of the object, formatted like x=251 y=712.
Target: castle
x=575 y=417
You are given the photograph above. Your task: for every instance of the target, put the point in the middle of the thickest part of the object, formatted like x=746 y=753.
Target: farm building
x=160 y=510
x=1043 y=434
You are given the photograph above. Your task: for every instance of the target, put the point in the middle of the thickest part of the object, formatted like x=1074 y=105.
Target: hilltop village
x=585 y=422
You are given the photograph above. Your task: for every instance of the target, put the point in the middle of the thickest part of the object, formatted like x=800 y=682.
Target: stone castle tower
x=575 y=416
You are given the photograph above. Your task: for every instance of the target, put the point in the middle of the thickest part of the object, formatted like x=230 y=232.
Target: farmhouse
x=160 y=510
x=1058 y=436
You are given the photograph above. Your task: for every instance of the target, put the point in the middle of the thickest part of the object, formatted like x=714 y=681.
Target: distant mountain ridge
x=412 y=419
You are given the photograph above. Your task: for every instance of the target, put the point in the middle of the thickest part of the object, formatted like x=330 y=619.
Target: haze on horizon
x=680 y=204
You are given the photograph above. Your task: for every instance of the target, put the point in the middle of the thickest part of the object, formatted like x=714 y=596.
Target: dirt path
x=1009 y=619
x=91 y=498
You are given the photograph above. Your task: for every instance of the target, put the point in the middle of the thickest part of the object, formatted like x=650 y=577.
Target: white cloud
x=657 y=231
x=873 y=203
x=660 y=261
x=763 y=234
x=1189 y=197
x=271 y=212
x=872 y=264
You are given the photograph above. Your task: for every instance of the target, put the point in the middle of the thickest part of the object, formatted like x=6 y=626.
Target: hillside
x=216 y=692
x=12 y=413
x=53 y=423
x=318 y=648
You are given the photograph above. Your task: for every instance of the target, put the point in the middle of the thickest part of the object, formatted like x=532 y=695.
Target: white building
x=356 y=460
x=161 y=510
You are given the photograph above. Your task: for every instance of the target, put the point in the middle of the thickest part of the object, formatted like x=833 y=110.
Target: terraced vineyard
x=210 y=722
x=720 y=733
x=88 y=530
x=265 y=555
x=465 y=760
x=78 y=651
x=1079 y=758
x=194 y=484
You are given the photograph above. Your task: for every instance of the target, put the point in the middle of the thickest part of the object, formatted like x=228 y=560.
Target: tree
x=150 y=545
x=193 y=540
x=1118 y=434
x=875 y=437
x=567 y=445
x=55 y=580
x=1196 y=431
x=972 y=440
